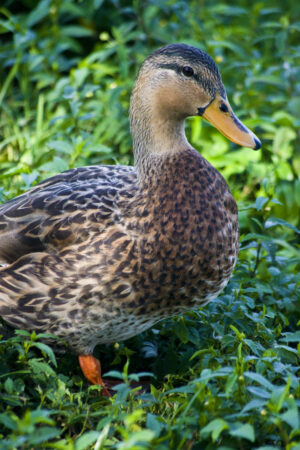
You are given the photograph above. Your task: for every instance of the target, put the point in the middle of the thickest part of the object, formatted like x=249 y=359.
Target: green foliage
x=226 y=376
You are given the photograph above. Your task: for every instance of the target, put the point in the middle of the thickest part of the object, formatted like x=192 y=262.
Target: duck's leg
x=91 y=369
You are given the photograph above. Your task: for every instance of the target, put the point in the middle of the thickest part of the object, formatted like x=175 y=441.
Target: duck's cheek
x=194 y=100
x=180 y=100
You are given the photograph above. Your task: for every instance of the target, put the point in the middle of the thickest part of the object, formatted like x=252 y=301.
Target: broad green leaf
x=38 y=13
x=114 y=374
x=154 y=423
x=291 y=337
x=279 y=395
x=136 y=440
x=214 y=428
x=57 y=165
x=86 y=440
x=43 y=434
x=23 y=333
x=40 y=367
x=228 y=10
x=229 y=45
x=230 y=382
x=259 y=392
x=102 y=437
x=76 y=31
x=296 y=447
x=273 y=222
x=260 y=202
x=291 y=416
x=13 y=400
x=9 y=386
x=47 y=350
x=8 y=421
x=282 y=138
x=245 y=431
x=40 y=416
x=268 y=447
x=256 y=347
x=269 y=79
x=287 y=349
x=259 y=379
x=253 y=404
x=135 y=416
x=62 y=146
x=187 y=389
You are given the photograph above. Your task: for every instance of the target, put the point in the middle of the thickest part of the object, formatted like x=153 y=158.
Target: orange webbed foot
x=91 y=369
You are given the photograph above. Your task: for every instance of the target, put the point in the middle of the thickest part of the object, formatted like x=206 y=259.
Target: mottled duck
x=98 y=254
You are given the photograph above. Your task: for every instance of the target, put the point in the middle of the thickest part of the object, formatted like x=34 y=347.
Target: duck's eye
x=223 y=108
x=188 y=71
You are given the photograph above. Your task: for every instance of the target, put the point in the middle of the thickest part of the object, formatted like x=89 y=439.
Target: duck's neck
x=156 y=132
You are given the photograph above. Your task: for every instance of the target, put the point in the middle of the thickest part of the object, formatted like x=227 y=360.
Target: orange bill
x=221 y=116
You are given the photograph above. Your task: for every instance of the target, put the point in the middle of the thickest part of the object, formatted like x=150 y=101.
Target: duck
x=98 y=254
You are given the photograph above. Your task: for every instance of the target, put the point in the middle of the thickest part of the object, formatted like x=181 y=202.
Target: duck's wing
x=61 y=210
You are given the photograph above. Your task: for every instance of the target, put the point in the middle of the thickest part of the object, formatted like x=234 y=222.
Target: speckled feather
x=99 y=254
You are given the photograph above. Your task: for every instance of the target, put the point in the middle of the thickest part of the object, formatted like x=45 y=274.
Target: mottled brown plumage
x=98 y=254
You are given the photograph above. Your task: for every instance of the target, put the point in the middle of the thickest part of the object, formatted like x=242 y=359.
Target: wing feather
x=60 y=210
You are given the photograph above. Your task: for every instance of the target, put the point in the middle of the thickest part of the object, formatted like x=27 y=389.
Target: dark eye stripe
x=206 y=83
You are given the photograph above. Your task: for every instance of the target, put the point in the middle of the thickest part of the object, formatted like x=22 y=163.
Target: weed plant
x=225 y=376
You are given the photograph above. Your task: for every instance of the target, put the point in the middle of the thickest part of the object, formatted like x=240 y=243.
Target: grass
x=225 y=376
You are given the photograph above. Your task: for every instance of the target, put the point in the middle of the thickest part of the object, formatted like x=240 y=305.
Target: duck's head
x=178 y=81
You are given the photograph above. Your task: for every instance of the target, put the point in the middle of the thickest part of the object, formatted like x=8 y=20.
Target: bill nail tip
x=257 y=144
